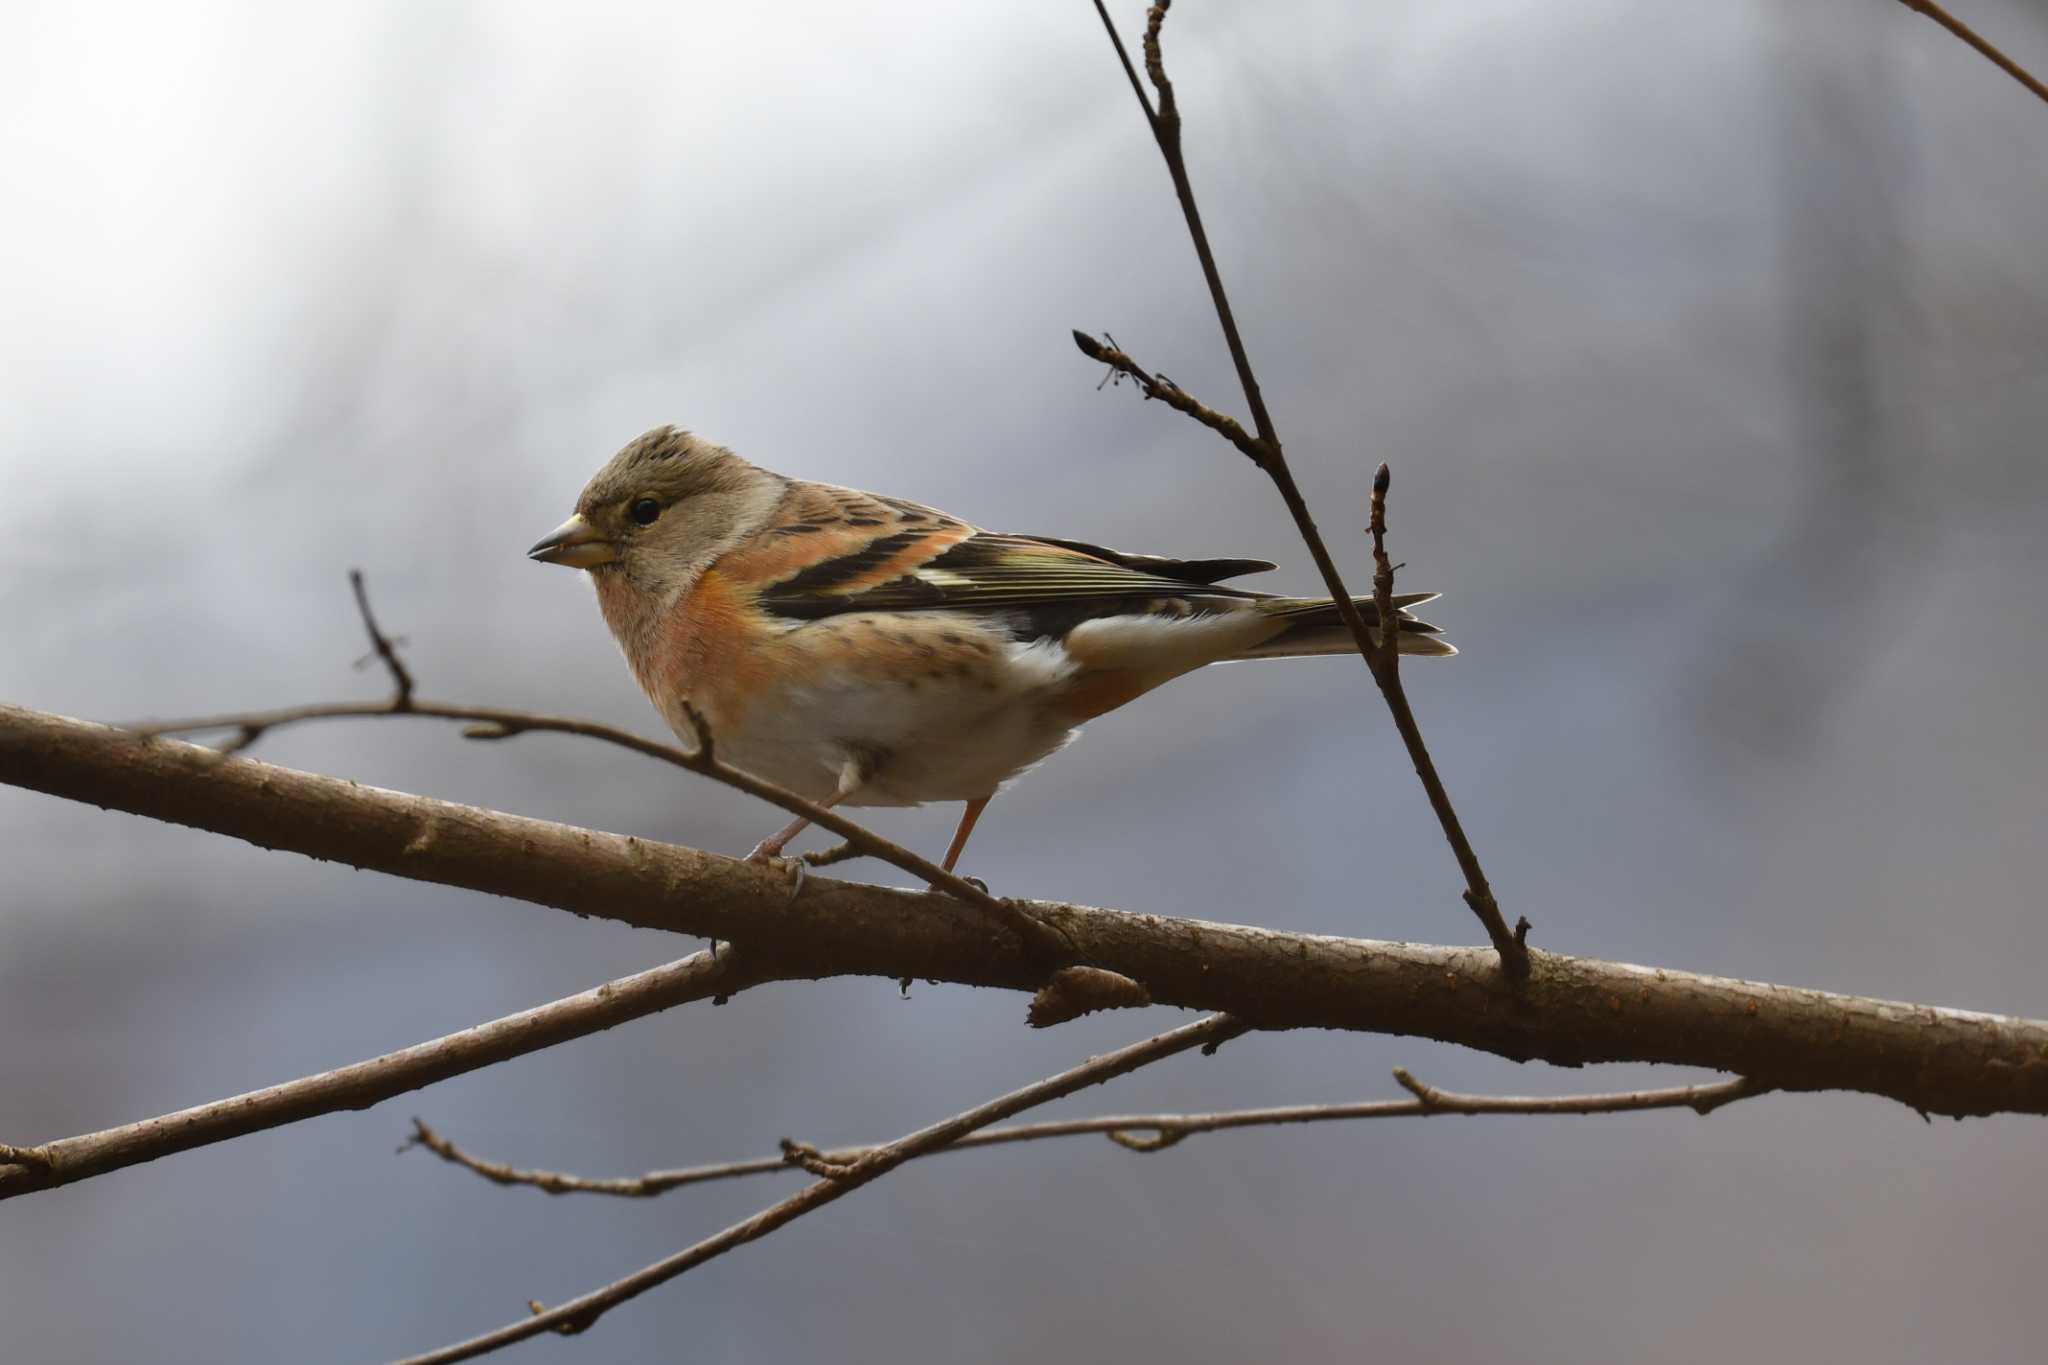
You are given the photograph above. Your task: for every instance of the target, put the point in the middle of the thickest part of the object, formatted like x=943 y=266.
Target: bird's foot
x=977 y=883
x=768 y=853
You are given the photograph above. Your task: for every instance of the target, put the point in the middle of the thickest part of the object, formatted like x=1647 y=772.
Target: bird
x=865 y=650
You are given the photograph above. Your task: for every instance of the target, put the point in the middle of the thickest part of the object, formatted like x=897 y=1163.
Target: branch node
x=809 y=1158
x=1162 y=1138
x=244 y=736
x=1744 y=1088
x=1075 y=991
x=1432 y=1098
x=568 y=1327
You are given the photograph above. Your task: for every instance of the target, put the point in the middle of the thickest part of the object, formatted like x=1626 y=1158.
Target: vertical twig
x=1383 y=573
x=381 y=645
x=1266 y=450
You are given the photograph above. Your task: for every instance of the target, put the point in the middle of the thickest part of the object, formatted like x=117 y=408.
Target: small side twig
x=1383 y=573
x=495 y=723
x=583 y=1311
x=1984 y=48
x=1174 y=396
x=382 y=645
x=844 y=852
x=1701 y=1099
x=1133 y=1132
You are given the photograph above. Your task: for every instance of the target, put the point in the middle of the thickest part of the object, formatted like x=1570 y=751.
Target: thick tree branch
x=1265 y=451
x=1572 y=1010
x=844 y=1178
x=363 y=1084
x=1133 y=1132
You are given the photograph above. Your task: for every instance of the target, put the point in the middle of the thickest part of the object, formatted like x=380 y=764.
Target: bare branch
x=1701 y=1099
x=1970 y=36
x=363 y=1084
x=401 y=679
x=1266 y=451
x=578 y=1314
x=1138 y=89
x=1133 y=1132
x=1383 y=572
x=1572 y=1011
x=1174 y=396
x=555 y=1182
x=489 y=723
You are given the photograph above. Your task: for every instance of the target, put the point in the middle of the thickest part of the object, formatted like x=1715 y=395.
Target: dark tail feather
x=1312 y=625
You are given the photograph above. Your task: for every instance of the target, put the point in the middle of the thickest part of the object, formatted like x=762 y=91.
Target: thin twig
x=1383 y=573
x=1174 y=396
x=1701 y=1099
x=839 y=853
x=401 y=678
x=498 y=723
x=1133 y=1132
x=1267 y=452
x=362 y=1084
x=578 y=1314
x=1144 y=101
x=1970 y=36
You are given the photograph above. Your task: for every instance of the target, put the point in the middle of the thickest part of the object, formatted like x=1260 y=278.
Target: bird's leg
x=852 y=776
x=962 y=830
x=770 y=848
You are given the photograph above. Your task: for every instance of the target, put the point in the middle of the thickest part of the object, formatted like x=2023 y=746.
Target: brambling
x=869 y=651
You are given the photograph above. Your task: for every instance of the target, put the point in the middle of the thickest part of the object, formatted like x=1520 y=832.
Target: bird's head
x=661 y=510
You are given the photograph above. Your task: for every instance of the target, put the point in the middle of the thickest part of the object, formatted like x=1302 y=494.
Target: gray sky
x=1706 y=343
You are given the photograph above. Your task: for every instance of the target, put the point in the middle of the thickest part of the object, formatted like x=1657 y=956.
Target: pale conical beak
x=576 y=544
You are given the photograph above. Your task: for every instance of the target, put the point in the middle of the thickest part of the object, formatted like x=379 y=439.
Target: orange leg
x=965 y=828
x=771 y=847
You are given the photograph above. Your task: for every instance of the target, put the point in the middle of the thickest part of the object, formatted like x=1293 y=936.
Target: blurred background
x=1709 y=345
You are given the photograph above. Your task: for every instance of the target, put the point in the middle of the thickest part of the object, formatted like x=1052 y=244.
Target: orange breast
x=707 y=650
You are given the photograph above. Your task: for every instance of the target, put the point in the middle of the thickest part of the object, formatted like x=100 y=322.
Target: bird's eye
x=644 y=511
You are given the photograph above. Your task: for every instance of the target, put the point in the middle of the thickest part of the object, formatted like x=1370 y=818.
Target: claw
x=762 y=856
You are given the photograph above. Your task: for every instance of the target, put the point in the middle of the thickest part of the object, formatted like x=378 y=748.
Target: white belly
x=955 y=738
